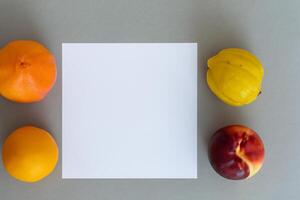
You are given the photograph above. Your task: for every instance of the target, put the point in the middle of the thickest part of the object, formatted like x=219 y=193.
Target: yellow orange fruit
x=235 y=76
x=27 y=71
x=29 y=154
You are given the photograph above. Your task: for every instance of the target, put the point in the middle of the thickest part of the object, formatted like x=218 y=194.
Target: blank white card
x=129 y=110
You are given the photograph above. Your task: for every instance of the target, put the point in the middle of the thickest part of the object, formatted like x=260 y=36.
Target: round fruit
x=27 y=71
x=236 y=152
x=29 y=154
x=235 y=76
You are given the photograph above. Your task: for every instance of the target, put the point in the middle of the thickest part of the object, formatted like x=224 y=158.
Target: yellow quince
x=235 y=76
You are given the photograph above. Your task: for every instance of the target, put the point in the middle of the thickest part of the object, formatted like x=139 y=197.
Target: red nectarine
x=236 y=152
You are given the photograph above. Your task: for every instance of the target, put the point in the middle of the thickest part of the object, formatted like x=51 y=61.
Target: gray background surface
x=269 y=28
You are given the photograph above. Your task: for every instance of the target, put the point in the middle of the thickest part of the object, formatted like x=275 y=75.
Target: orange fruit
x=27 y=71
x=29 y=154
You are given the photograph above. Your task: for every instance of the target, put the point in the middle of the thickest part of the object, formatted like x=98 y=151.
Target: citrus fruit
x=29 y=154
x=27 y=71
x=235 y=76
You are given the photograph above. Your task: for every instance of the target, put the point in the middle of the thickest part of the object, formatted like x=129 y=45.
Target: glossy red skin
x=223 y=151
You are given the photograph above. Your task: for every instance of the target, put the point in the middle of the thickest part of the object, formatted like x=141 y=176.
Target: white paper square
x=129 y=110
